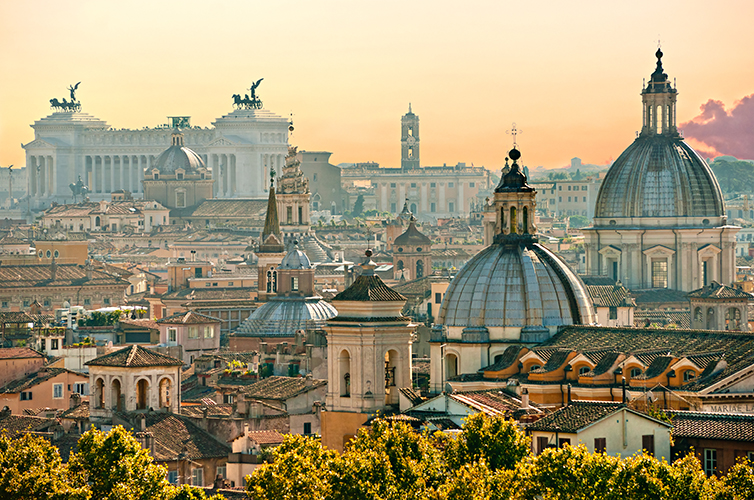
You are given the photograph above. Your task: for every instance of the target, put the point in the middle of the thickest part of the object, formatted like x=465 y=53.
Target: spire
x=271 y=223
x=409 y=108
x=514 y=179
x=659 y=102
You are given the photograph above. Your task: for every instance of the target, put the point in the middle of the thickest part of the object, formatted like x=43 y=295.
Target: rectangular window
x=57 y=391
x=46 y=303
x=710 y=461
x=560 y=199
x=54 y=344
x=289 y=215
x=541 y=444
x=300 y=215
x=472 y=184
x=43 y=345
x=193 y=332
x=230 y=283
x=106 y=301
x=173 y=477
x=221 y=471
x=432 y=207
x=197 y=477
x=180 y=199
x=659 y=273
x=81 y=388
x=26 y=396
x=413 y=184
x=648 y=444
x=432 y=184
x=209 y=331
x=560 y=188
x=172 y=334
x=392 y=184
x=569 y=188
x=5 y=305
x=613 y=312
x=563 y=441
x=26 y=302
x=294 y=284
x=87 y=302
x=600 y=445
x=451 y=207
x=307 y=428
x=450 y=184
x=392 y=207
x=569 y=199
x=583 y=188
x=438 y=298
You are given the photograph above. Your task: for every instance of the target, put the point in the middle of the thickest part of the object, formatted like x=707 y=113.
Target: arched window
x=115 y=399
x=142 y=394
x=698 y=317
x=526 y=220
x=413 y=208
x=660 y=119
x=451 y=366
x=99 y=393
x=635 y=372
x=733 y=318
x=584 y=370
x=97 y=221
x=711 y=325
x=269 y=281
x=419 y=269
x=534 y=367
x=400 y=265
x=514 y=221
x=345 y=374
x=165 y=389
x=689 y=375
x=502 y=219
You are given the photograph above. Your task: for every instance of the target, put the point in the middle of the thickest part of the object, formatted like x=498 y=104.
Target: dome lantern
x=514 y=203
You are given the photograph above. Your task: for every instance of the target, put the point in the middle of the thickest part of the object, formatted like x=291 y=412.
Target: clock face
x=411 y=141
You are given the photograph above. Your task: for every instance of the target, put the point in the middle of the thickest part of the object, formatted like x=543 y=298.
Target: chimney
x=53 y=269
x=143 y=422
x=89 y=269
x=75 y=400
x=246 y=428
x=524 y=398
x=309 y=381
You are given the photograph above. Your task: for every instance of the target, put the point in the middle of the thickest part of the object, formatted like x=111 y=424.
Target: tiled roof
x=607 y=360
x=135 y=356
x=80 y=411
x=197 y=393
x=657 y=367
x=659 y=295
x=213 y=410
x=592 y=279
x=220 y=294
x=280 y=388
x=717 y=291
x=19 y=353
x=369 y=288
x=15 y=317
x=21 y=423
x=140 y=323
x=554 y=362
x=610 y=296
x=509 y=356
x=492 y=401
x=411 y=395
x=188 y=318
x=266 y=438
x=649 y=344
x=31 y=380
x=174 y=435
x=40 y=276
x=707 y=425
x=576 y=416
x=412 y=237
x=682 y=319
x=254 y=209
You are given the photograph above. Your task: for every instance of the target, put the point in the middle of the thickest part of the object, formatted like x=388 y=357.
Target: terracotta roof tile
x=610 y=296
x=21 y=423
x=188 y=318
x=19 y=353
x=707 y=425
x=39 y=275
x=576 y=416
x=31 y=380
x=717 y=291
x=280 y=388
x=174 y=435
x=266 y=438
x=369 y=288
x=135 y=356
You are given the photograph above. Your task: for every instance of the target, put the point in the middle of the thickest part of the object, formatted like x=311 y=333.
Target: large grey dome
x=659 y=176
x=516 y=286
x=178 y=157
x=283 y=316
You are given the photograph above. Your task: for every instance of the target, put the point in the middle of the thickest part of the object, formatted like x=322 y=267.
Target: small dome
x=295 y=259
x=412 y=237
x=516 y=286
x=178 y=156
x=659 y=176
x=283 y=316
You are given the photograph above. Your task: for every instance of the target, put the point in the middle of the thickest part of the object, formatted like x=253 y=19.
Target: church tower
x=369 y=355
x=271 y=248
x=658 y=100
x=293 y=196
x=410 y=140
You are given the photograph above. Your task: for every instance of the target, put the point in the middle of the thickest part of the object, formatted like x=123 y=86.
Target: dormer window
x=179 y=176
x=156 y=176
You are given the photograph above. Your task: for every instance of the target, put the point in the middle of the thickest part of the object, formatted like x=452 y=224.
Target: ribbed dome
x=282 y=316
x=177 y=157
x=295 y=259
x=659 y=176
x=518 y=286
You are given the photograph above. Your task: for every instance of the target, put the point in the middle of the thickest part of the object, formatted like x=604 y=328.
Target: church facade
x=239 y=149
x=660 y=219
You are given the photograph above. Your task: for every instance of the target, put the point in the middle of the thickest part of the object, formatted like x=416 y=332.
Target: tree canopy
x=489 y=460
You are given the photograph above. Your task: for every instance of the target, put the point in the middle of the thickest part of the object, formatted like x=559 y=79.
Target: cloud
x=723 y=132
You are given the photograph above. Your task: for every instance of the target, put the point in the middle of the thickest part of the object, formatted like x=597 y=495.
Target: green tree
x=186 y=492
x=31 y=468
x=738 y=484
x=358 y=206
x=495 y=440
x=116 y=467
x=300 y=470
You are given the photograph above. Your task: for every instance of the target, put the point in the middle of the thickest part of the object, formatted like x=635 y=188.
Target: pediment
x=708 y=251
x=659 y=250
x=610 y=250
x=38 y=144
x=220 y=142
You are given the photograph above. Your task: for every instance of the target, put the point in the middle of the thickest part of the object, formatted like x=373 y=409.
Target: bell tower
x=515 y=204
x=658 y=99
x=410 y=140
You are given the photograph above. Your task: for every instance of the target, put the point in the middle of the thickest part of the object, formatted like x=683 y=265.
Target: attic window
x=584 y=370
x=156 y=176
x=179 y=176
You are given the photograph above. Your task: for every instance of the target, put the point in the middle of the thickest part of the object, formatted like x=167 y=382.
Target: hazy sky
x=568 y=73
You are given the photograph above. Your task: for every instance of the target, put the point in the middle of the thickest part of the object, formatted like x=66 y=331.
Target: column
x=31 y=168
x=441 y=198
x=50 y=176
x=96 y=174
x=424 y=196
x=461 y=206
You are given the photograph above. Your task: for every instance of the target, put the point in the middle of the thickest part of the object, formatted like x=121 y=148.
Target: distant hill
x=734 y=175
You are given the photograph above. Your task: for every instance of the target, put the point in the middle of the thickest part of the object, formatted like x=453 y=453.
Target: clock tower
x=409 y=140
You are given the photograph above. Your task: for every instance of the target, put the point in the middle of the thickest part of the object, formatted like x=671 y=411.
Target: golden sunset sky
x=568 y=73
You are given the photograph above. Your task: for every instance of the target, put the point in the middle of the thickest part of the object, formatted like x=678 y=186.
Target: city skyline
x=568 y=75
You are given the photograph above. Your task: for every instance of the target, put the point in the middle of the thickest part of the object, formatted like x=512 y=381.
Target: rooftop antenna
x=514 y=132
